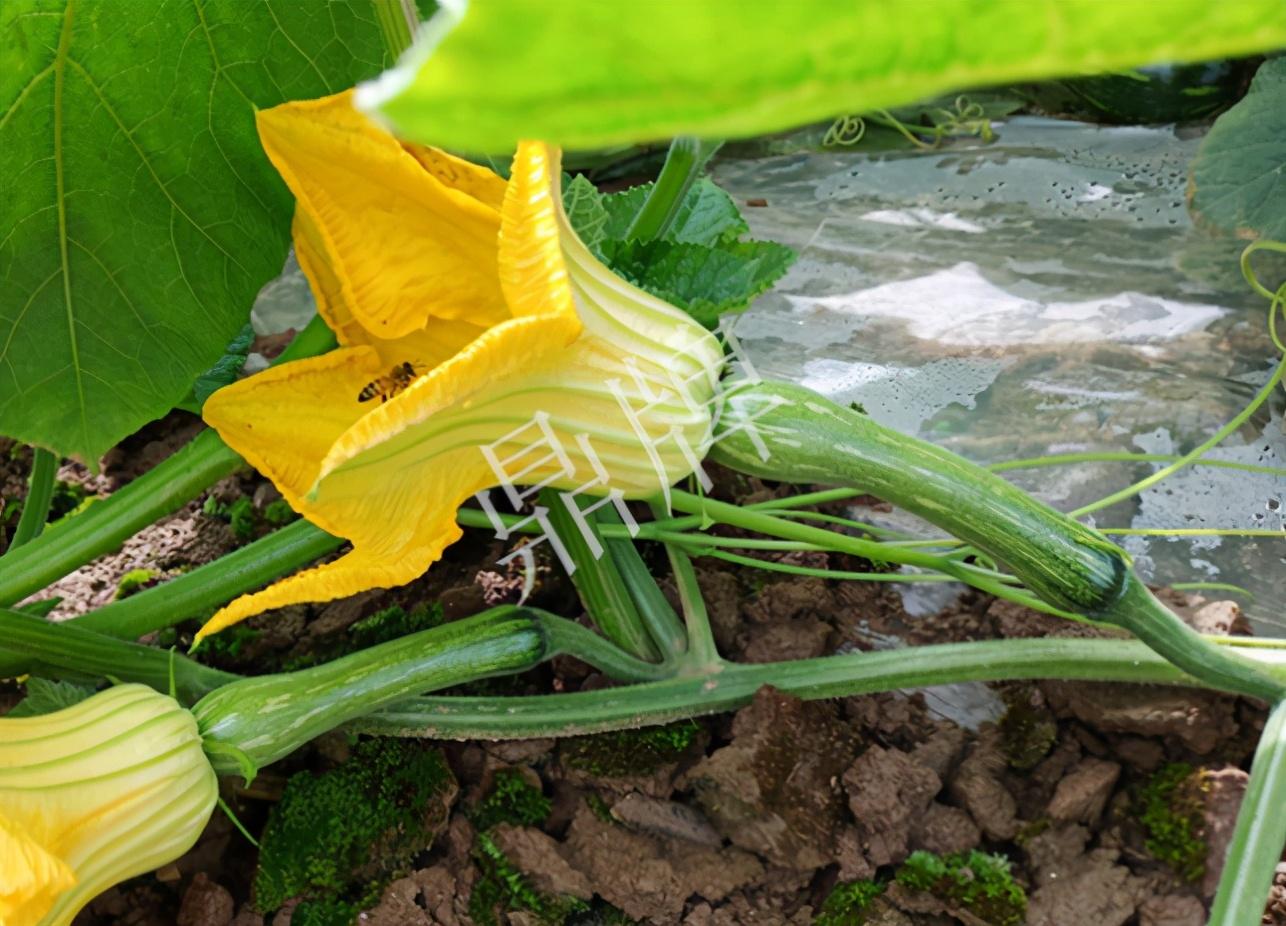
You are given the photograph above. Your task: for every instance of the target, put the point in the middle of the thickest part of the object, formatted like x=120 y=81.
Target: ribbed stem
x=1260 y=833
x=102 y=527
x=570 y=638
x=63 y=650
x=196 y=593
x=207 y=587
x=683 y=165
x=1139 y=612
x=255 y=721
x=658 y=616
x=40 y=492
x=734 y=685
x=597 y=579
x=396 y=19
x=703 y=654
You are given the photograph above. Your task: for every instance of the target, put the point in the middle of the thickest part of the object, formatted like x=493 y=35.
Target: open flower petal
x=532 y=273
x=399 y=522
x=30 y=877
x=285 y=419
x=404 y=244
x=426 y=347
x=563 y=375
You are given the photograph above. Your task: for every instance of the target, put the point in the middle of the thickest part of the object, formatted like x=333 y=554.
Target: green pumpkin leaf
x=584 y=207
x=140 y=216
x=707 y=214
x=588 y=73
x=705 y=281
x=46 y=697
x=226 y=369
x=1239 y=174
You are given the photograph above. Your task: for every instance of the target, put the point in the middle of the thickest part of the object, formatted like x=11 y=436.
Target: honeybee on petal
x=390 y=384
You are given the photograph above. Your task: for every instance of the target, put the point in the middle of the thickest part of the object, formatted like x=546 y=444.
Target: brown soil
x=775 y=804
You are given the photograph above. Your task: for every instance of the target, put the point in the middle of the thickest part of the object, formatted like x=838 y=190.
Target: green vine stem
x=103 y=526
x=1073 y=567
x=202 y=590
x=207 y=587
x=40 y=492
x=161 y=491
x=703 y=655
x=683 y=164
x=655 y=611
x=1195 y=454
x=61 y=650
x=456 y=717
x=1260 y=833
x=397 y=19
x=597 y=579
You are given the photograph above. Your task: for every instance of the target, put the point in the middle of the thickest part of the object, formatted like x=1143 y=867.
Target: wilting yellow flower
x=107 y=789
x=521 y=336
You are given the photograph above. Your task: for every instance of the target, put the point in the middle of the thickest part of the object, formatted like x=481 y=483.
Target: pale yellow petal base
x=30 y=877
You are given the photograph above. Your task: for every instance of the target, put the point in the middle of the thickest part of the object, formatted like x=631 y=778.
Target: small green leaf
x=228 y=367
x=584 y=207
x=1239 y=174
x=41 y=608
x=588 y=74
x=706 y=216
x=704 y=281
x=45 y=697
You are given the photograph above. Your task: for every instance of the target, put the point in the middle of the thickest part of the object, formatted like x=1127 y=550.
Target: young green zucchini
x=788 y=433
x=256 y=721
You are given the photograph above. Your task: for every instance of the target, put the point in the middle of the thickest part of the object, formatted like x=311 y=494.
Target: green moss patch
x=339 y=838
x=847 y=904
x=1169 y=806
x=978 y=882
x=629 y=752
x=512 y=799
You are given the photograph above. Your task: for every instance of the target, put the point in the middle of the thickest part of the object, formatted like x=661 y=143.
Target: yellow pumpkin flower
x=110 y=788
x=475 y=327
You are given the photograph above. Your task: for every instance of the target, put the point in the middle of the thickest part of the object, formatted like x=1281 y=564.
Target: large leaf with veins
x=139 y=215
x=1239 y=174
x=590 y=73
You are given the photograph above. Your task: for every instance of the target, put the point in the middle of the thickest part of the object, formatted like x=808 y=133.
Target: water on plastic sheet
x=1046 y=293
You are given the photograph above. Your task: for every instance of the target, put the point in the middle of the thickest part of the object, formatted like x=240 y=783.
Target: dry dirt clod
x=1222 y=791
x=1275 y=912
x=247 y=917
x=801 y=638
x=398 y=906
x=1054 y=852
x=788 y=600
x=205 y=903
x=978 y=787
x=652 y=878
x=888 y=794
x=1093 y=889
x=943 y=829
x=775 y=788
x=1172 y=910
x=1083 y=793
x=942 y=749
x=1199 y=720
x=665 y=818
x=1220 y=617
